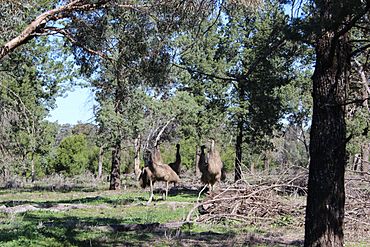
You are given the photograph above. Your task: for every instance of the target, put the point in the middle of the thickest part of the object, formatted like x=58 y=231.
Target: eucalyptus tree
x=248 y=55
x=133 y=65
x=30 y=79
x=28 y=93
x=326 y=25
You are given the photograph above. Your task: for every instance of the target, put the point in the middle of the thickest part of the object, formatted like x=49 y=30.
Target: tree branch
x=69 y=37
x=359 y=50
x=206 y=74
x=161 y=132
x=353 y=21
x=51 y=15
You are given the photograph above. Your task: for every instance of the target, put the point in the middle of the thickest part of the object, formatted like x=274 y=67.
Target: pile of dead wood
x=252 y=204
x=271 y=201
x=357 y=204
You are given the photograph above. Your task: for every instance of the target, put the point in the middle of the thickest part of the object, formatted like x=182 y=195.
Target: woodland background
x=239 y=72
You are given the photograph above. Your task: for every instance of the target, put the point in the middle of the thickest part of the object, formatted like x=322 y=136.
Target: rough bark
x=239 y=138
x=33 y=172
x=326 y=195
x=356 y=162
x=115 y=175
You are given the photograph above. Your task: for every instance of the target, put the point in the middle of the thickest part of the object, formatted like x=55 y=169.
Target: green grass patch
x=87 y=219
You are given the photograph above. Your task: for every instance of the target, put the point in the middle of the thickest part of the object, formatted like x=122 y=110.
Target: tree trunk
x=325 y=200
x=365 y=165
x=238 y=152
x=115 y=178
x=197 y=156
x=33 y=172
x=137 y=156
x=239 y=138
x=100 y=162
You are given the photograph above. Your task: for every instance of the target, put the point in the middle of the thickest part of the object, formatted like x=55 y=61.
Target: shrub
x=72 y=155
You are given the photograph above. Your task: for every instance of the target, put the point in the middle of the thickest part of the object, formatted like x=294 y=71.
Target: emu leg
x=166 y=190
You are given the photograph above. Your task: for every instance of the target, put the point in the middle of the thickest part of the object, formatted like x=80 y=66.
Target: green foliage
x=245 y=71
x=187 y=151
x=284 y=220
x=74 y=155
x=30 y=80
x=228 y=157
x=357 y=126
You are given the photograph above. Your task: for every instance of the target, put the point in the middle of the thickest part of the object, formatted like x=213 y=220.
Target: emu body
x=154 y=172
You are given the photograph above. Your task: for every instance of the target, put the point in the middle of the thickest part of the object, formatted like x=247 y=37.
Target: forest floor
x=257 y=213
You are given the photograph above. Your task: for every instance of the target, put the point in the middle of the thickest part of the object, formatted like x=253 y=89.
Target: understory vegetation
x=59 y=213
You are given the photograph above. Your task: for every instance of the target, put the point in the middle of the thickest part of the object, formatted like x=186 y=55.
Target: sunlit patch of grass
x=91 y=217
x=360 y=244
x=183 y=198
x=80 y=226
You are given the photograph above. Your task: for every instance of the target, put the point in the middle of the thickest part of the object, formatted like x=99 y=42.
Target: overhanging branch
x=36 y=28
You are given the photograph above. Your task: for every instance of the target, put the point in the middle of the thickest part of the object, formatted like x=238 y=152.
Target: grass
x=97 y=222
x=89 y=215
x=122 y=218
x=104 y=218
x=87 y=225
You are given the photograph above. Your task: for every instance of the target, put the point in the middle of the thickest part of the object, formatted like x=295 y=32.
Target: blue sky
x=76 y=106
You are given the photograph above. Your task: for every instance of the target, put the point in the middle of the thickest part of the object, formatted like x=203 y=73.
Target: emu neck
x=202 y=159
x=178 y=156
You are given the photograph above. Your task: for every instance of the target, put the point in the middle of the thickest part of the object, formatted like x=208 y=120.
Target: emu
x=154 y=172
x=210 y=168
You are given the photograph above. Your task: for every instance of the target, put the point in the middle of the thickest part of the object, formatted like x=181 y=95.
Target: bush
x=73 y=155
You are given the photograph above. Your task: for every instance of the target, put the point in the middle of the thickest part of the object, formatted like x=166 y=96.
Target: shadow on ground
x=105 y=231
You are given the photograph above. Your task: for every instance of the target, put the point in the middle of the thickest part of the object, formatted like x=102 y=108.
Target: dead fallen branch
x=276 y=200
x=247 y=202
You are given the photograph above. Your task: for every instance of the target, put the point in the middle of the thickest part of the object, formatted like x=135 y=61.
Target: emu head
x=212 y=148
